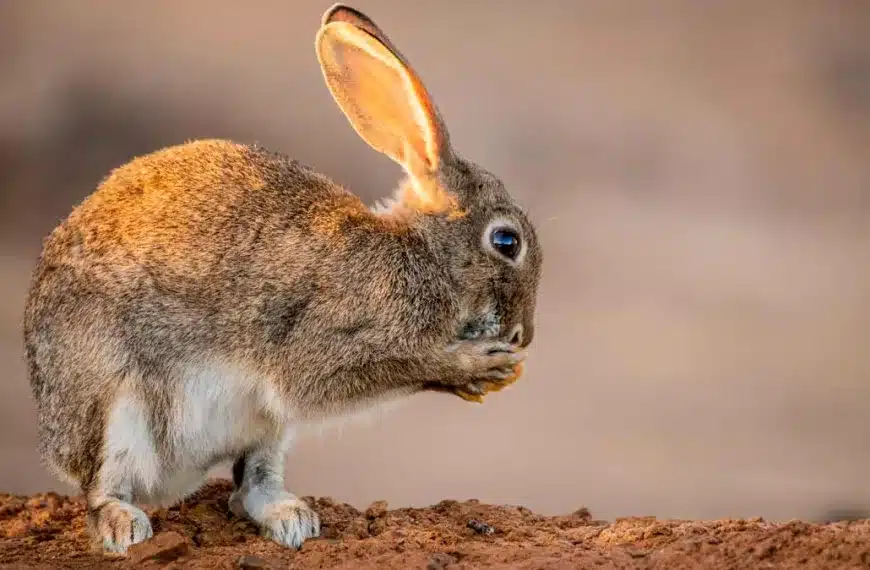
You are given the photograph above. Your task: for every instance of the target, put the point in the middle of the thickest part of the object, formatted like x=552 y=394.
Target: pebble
x=377 y=510
x=480 y=527
x=164 y=547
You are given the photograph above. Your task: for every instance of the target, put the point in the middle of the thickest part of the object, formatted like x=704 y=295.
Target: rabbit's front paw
x=475 y=391
x=488 y=365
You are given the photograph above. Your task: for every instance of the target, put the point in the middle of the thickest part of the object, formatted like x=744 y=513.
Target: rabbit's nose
x=521 y=335
x=516 y=335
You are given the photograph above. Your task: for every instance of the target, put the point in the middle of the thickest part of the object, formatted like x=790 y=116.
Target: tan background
x=699 y=171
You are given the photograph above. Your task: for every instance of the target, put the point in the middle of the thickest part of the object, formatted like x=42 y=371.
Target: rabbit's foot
x=281 y=516
x=117 y=525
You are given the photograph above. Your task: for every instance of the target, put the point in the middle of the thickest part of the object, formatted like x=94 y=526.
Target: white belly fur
x=218 y=412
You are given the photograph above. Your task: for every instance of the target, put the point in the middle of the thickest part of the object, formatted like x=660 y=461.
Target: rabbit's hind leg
x=117 y=524
x=130 y=466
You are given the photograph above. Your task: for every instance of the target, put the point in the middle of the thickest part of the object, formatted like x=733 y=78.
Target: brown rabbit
x=210 y=297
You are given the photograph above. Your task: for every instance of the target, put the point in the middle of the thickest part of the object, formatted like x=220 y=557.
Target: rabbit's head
x=487 y=244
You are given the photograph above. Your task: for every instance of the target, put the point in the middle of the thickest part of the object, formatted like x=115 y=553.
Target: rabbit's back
x=192 y=210
x=190 y=235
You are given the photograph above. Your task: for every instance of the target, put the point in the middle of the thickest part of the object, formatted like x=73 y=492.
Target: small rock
x=376 y=510
x=329 y=532
x=52 y=501
x=250 y=561
x=164 y=547
x=440 y=561
x=35 y=502
x=359 y=528
x=377 y=526
x=480 y=527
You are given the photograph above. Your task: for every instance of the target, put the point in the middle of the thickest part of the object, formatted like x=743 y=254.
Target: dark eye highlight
x=506 y=241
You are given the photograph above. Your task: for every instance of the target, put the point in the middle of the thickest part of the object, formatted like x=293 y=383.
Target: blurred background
x=699 y=172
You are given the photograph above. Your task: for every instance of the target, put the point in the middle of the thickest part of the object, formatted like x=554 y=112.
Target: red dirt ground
x=48 y=531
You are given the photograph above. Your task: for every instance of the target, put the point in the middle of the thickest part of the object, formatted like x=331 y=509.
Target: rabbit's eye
x=506 y=241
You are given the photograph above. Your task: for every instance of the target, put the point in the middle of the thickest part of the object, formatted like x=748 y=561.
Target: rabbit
x=209 y=298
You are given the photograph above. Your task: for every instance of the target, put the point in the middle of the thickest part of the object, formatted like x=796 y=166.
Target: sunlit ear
x=384 y=100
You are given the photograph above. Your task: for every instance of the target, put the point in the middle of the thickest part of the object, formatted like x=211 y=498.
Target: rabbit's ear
x=384 y=100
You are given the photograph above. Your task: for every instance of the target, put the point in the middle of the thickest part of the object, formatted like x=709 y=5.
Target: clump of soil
x=48 y=531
